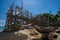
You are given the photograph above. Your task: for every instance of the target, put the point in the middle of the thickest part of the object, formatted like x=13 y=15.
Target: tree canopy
x=48 y=19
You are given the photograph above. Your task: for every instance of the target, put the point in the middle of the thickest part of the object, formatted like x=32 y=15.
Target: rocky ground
x=28 y=32
x=20 y=35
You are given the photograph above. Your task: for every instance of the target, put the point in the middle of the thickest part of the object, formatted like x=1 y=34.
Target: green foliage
x=48 y=19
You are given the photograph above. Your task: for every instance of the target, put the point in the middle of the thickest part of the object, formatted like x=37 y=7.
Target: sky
x=33 y=6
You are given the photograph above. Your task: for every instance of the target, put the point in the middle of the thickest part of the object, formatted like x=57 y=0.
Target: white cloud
x=2 y=24
x=2 y=20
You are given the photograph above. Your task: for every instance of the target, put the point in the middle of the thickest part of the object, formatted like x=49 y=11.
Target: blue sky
x=33 y=6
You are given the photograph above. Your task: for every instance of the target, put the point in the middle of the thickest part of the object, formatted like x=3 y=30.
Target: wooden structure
x=16 y=18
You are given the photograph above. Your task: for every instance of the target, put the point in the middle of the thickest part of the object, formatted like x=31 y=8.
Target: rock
x=58 y=38
x=26 y=34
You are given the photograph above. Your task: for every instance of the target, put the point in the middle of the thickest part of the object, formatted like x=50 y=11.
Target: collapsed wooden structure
x=17 y=17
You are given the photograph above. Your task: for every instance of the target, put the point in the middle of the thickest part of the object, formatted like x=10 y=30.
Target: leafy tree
x=45 y=19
